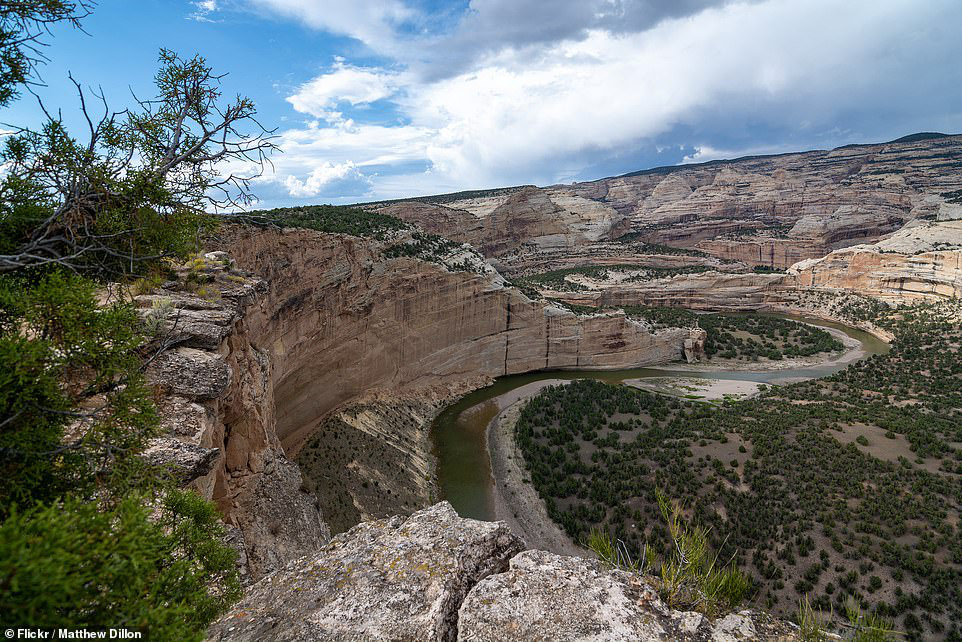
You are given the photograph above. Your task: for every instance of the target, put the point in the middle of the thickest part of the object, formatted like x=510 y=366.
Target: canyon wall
x=919 y=262
x=767 y=210
x=303 y=337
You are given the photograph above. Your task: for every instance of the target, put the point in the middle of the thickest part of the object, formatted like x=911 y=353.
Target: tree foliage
x=23 y=24
x=91 y=535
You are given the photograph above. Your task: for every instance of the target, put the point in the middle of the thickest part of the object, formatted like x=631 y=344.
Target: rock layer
x=766 y=210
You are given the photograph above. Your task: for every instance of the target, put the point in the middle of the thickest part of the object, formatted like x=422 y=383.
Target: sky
x=394 y=98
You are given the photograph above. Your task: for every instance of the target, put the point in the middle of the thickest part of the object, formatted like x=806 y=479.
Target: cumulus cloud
x=593 y=80
x=345 y=83
x=328 y=176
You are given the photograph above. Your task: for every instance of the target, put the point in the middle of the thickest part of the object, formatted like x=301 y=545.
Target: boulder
x=544 y=596
x=393 y=579
x=185 y=461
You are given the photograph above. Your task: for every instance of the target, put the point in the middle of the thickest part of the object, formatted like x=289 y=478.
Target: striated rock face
x=257 y=367
x=543 y=596
x=394 y=579
x=702 y=291
x=340 y=321
x=922 y=261
x=766 y=210
x=546 y=220
x=437 y=577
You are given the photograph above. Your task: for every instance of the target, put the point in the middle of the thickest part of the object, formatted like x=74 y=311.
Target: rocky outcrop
x=766 y=210
x=217 y=412
x=544 y=220
x=394 y=579
x=543 y=596
x=437 y=577
x=695 y=345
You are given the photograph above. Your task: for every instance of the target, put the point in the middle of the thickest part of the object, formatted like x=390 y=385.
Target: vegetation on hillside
x=744 y=336
x=91 y=535
x=838 y=489
x=404 y=239
x=334 y=219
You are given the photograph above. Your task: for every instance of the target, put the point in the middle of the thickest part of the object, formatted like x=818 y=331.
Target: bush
x=70 y=564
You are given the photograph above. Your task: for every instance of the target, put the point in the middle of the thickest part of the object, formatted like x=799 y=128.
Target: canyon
x=299 y=388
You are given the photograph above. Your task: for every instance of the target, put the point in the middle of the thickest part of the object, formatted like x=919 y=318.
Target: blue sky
x=396 y=98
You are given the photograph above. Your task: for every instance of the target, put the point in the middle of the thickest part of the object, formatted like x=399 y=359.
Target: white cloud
x=346 y=83
x=373 y=22
x=203 y=9
x=325 y=177
x=517 y=116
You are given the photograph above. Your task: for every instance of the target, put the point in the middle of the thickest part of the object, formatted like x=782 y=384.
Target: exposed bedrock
x=699 y=291
x=545 y=219
x=435 y=577
x=920 y=261
x=766 y=210
x=335 y=345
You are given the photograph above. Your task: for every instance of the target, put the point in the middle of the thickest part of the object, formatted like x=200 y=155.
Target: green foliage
x=71 y=564
x=90 y=534
x=333 y=219
x=767 y=269
x=691 y=576
x=22 y=23
x=596 y=454
x=810 y=627
x=59 y=352
x=615 y=553
x=744 y=336
x=867 y=627
x=336 y=219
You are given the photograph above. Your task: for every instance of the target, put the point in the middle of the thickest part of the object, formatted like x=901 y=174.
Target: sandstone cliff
x=921 y=261
x=767 y=210
x=316 y=323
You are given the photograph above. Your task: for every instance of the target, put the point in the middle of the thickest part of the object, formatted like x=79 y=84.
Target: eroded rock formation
x=437 y=577
x=767 y=210
x=324 y=337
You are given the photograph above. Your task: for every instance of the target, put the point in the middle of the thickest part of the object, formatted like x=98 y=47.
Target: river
x=459 y=431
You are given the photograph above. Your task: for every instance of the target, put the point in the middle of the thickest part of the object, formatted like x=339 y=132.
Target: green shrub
x=71 y=564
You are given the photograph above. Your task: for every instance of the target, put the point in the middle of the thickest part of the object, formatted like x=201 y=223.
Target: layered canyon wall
x=321 y=336
x=769 y=210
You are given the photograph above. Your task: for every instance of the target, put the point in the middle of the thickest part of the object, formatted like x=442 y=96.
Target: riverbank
x=467 y=433
x=698 y=389
x=516 y=502
x=853 y=350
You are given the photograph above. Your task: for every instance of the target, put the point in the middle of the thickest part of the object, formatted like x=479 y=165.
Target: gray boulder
x=544 y=596
x=392 y=579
